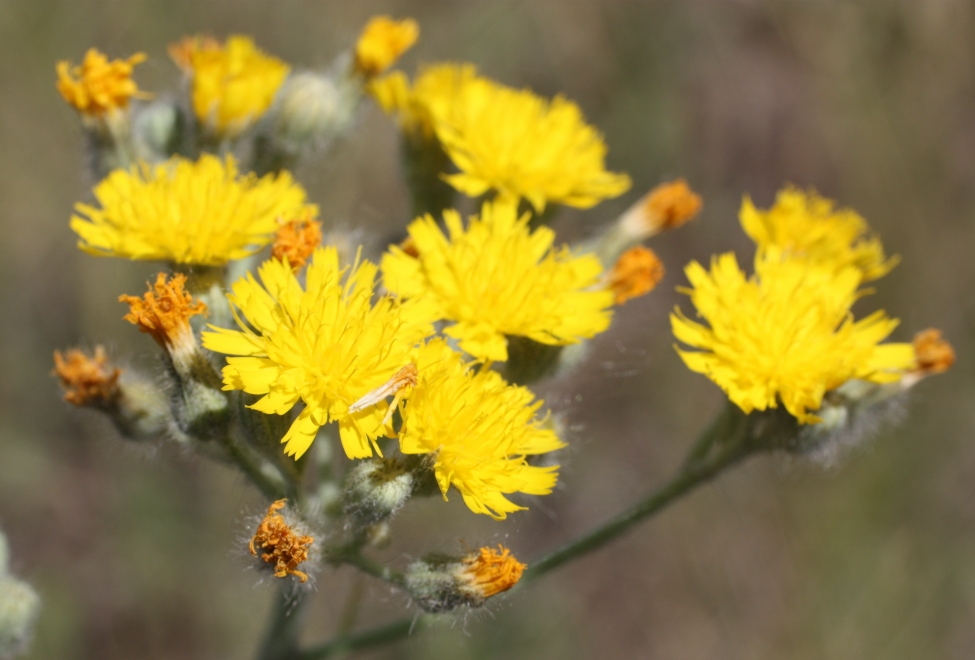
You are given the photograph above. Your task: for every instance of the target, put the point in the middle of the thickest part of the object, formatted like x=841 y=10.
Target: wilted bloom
x=98 y=86
x=524 y=147
x=489 y=572
x=478 y=431
x=803 y=224
x=933 y=352
x=233 y=84
x=87 y=380
x=785 y=334
x=328 y=345
x=381 y=43
x=164 y=312
x=497 y=278
x=187 y=212
x=442 y=584
x=667 y=206
x=636 y=273
x=431 y=94
x=296 y=241
x=280 y=545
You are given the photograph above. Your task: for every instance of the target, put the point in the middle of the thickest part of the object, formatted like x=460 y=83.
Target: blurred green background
x=137 y=551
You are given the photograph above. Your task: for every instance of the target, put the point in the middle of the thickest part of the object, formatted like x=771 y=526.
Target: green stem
x=384 y=634
x=262 y=474
x=353 y=557
x=287 y=619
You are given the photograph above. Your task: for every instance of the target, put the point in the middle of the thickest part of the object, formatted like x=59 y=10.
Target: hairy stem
x=284 y=629
x=384 y=634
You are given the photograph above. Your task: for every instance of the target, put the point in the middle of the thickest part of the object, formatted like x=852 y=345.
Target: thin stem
x=353 y=601
x=384 y=634
x=287 y=619
x=262 y=474
x=353 y=557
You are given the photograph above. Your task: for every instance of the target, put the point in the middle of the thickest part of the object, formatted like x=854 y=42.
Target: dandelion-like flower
x=327 y=345
x=431 y=94
x=87 y=380
x=785 y=334
x=636 y=273
x=280 y=545
x=497 y=278
x=187 y=212
x=99 y=86
x=233 y=84
x=478 y=430
x=296 y=241
x=809 y=226
x=524 y=147
x=382 y=42
x=666 y=207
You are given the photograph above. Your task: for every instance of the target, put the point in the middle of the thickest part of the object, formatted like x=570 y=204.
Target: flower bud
x=19 y=606
x=376 y=489
x=282 y=543
x=442 y=584
x=157 y=131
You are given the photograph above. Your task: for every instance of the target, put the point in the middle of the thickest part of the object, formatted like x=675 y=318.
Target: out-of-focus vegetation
x=137 y=553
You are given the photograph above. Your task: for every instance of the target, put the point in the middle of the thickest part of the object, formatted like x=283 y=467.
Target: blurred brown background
x=136 y=551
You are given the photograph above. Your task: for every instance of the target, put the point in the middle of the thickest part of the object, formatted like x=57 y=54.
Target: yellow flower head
x=809 y=226
x=431 y=94
x=99 y=86
x=478 y=429
x=524 y=147
x=382 y=42
x=233 y=84
x=498 y=278
x=786 y=333
x=328 y=345
x=186 y=212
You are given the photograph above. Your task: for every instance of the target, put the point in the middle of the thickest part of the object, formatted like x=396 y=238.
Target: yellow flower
x=431 y=94
x=327 y=345
x=186 y=212
x=498 y=278
x=786 y=333
x=381 y=43
x=99 y=86
x=233 y=84
x=524 y=147
x=807 y=225
x=478 y=429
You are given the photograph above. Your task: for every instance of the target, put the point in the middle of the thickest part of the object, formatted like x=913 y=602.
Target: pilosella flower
x=327 y=345
x=785 y=334
x=186 y=212
x=382 y=42
x=164 y=313
x=431 y=94
x=478 y=431
x=296 y=241
x=809 y=226
x=233 y=84
x=99 y=86
x=497 y=278
x=524 y=147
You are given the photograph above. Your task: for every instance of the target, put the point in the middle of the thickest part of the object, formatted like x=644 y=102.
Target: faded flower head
x=805 y=225
x=933 y=352
x=382 y=42
x=328 y=345
x=478 y=431
x=489 y=572
x=87 y=380
x=668 y=206
x=164 y=312
x=785 y=334
x=187 y=212
x=444 y=583
x=280 y=545
x=99 y=86
x=636 y=273
x=296 y=241
x=233 y=84
x=497 y=278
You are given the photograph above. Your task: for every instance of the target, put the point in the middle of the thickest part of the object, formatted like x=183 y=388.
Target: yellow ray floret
x=431 y=94
x=479 y=431
x=99 y=86
x=806 y=225
x=785 y=334
x=498 y=278
x=525 y=147
x=233 y=84
x=381 y=43
x=186 y=212
x=327 y=345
